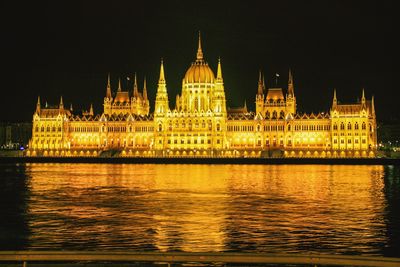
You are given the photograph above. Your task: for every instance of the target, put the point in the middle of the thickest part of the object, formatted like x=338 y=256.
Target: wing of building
x=200 y=124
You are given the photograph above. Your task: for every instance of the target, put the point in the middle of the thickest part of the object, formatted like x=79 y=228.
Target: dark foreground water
x=246 y=208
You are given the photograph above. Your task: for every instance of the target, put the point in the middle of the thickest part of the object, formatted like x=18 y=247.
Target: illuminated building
x=200 y=125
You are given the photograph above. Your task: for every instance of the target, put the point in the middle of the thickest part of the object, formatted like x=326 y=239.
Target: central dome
x=199 y=71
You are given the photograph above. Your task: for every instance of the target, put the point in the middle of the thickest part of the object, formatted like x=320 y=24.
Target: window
x=349 y=126
x=364 y=127
x=335 y=126
x=342 y=126
x=356 y=126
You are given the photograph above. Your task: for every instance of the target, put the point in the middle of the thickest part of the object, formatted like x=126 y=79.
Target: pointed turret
x=161 y=80
x=119 y=85
x=260 y=90
x=161 y=105
x=177 y=103
x=245 y=106
x=70 y=108
x=290 y=84
x=108 y=93
x=61 y=106
x=144 y=89
x=334 y=102
x=199 y=50
x=363 y=97
x=91 y=110
x=219 y=71
x=372 y=106
x=38 y=105
x=263 y=82
x=135 y=88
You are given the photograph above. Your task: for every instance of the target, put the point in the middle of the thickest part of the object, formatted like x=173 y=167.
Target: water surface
x=246 y=208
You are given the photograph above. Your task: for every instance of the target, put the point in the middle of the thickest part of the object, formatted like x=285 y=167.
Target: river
x=329 y=209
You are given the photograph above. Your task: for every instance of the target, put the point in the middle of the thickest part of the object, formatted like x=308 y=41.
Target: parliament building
x=201 y=125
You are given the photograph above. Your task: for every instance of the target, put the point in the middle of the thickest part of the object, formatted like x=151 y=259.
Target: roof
x=275 y=94
x=53 y=112
x=122 y=96
x=353 y=108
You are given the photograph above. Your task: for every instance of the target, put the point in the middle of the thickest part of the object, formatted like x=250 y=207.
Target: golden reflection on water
x=266 y=208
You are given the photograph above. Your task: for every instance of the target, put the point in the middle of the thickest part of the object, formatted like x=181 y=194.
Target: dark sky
x=67 y=48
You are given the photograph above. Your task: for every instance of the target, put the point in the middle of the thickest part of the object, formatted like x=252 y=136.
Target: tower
x=108 y=98
x=146 y=104
x=218 y=104
x=38 y=105
x=61 y=106
x=334 y=102
x=290 y=97
x=161 y=105
x=260 y=95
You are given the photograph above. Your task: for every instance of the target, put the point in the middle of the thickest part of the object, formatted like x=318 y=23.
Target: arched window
x=349 y=126
x=356 y=126
x=160 y=127
x=282 y=115
x=218 y=127
x=335 y=126
x=288 y=127
x=342 y=126
x=364 y=127
x=274 y=115
x=267 y=115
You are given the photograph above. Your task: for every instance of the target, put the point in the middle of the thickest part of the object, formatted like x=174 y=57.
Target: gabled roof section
x=275 y=94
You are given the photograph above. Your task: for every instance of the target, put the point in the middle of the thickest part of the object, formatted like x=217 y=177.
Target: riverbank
x=159 y=160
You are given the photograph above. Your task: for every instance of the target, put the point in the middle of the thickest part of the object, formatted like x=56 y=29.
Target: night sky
x=67 y=48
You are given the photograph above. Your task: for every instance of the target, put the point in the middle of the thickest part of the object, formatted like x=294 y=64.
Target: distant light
x=21 y=148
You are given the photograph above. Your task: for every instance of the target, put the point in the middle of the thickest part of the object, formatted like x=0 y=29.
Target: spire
x=91 y=110
x=290 y=84
x=199 y=51
x=363 y=97
x=119 y=85
x=38 y=105
x=263 y=81
x=260 y=90
x=219 y=70
x=135 y=88
x=61 y=103
x=161 y=105
x=144 y=89
x=161 y=80
x=108 y=93
x=177 y=103
x=373 y=106
x=334 y=103
x=245 y=106
x=70 y=108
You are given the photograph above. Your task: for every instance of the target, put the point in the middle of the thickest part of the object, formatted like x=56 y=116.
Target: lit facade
x=200 y=124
